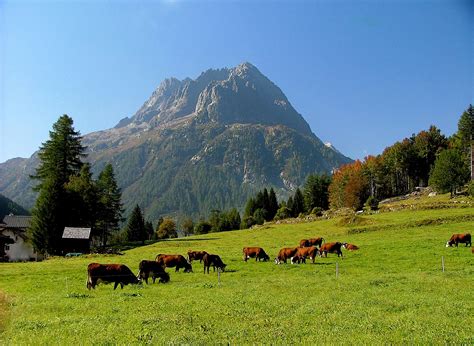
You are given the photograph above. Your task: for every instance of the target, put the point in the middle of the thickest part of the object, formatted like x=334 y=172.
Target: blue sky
x=362 y=73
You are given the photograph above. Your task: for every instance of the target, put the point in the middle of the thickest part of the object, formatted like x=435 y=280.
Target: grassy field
x=391 y=290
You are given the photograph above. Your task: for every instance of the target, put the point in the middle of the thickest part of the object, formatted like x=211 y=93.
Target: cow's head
x=266 y=258
x=164 y=277
x=277 y=261
x=344 y=245
x=188 y=268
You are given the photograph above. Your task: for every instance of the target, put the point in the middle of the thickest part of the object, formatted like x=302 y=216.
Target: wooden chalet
x=76 y=240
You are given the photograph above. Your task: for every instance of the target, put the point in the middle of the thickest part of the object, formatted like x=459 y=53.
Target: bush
x=202 y=227
x=318 y=211
x=470 y=189
x=371 y=204
x=247 y=222
x=282 y=213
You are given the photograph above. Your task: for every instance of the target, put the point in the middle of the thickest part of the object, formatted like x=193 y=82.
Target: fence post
x=442 y=263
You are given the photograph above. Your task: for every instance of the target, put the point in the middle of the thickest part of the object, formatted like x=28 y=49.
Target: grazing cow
x=307 y=252
x=117 y=273
x=155 y=269
x=331 y=248
x=196 y=255
x=177 y=261
x=257 y=252
x=459 y=238
x=285 y=253
x=297 y=259
x=311 y=242
x=350 y=247
x=214 y=261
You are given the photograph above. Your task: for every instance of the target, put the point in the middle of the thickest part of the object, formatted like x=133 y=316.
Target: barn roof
x=76 y=233
x=16 y=221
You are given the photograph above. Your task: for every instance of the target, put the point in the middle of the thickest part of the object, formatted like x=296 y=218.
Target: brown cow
x=196 y=255
x=331 y=248
x=214 y=261
x=311 y=242
x=117 y=273
x=257 y=252
x=350 y=247
x=297 y=259
x=307 y=252
x=285 y=253
x=177 y=261
x=459 y=238
x=155 y=269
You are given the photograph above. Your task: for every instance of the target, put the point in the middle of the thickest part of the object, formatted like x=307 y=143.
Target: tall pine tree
x=136 y=230
x=110 y=211
x=60 y=158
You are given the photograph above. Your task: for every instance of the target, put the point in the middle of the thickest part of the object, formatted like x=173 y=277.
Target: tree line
x=68 y=195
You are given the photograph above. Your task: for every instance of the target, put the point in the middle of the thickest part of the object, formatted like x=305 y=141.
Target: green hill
x=390 y=291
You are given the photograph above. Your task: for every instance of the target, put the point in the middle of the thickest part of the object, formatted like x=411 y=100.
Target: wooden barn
x=14 y=245
x=76 y=240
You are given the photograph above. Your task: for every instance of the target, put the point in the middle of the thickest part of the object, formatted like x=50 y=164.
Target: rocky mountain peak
x=241 y=94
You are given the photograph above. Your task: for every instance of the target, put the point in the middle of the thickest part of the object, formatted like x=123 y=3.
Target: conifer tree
x=83 y=199
x=110 y=210
x=60 y=158
x=316 y=193
x=298 y=203
x=449 y=172
x=135 y=230
x=272 y=204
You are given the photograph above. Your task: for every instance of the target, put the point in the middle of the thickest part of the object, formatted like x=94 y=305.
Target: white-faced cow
x=255 y=252
x=285 y=253
x=459 y=238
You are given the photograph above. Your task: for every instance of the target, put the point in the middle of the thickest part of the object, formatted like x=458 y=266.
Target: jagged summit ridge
x=241 y=94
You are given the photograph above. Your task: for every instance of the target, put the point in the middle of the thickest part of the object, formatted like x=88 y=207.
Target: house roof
x=16 y=221
x=76 y=233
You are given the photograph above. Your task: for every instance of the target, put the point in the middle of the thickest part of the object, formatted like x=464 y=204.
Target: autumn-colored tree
x=349 y=187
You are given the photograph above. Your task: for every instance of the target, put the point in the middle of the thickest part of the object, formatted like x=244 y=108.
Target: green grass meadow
x=392 y=290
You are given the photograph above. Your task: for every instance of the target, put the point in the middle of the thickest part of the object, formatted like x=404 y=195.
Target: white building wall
x=20 y=250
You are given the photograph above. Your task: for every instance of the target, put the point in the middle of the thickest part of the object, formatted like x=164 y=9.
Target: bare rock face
x=200 y=144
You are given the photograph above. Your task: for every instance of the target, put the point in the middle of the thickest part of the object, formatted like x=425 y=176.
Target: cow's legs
x=116 y=284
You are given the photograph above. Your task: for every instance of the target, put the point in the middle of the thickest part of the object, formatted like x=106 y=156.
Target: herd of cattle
x=307 y=249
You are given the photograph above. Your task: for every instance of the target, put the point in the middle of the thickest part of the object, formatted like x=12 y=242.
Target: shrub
x=371 y=204
x=282 y=213
x=470 y=189
x=247 y=222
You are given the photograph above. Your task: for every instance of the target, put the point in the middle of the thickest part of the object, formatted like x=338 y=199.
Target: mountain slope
x=202 y=144
x=7 y=206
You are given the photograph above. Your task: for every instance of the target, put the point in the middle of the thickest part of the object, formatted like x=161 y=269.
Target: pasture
x=390 y=291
